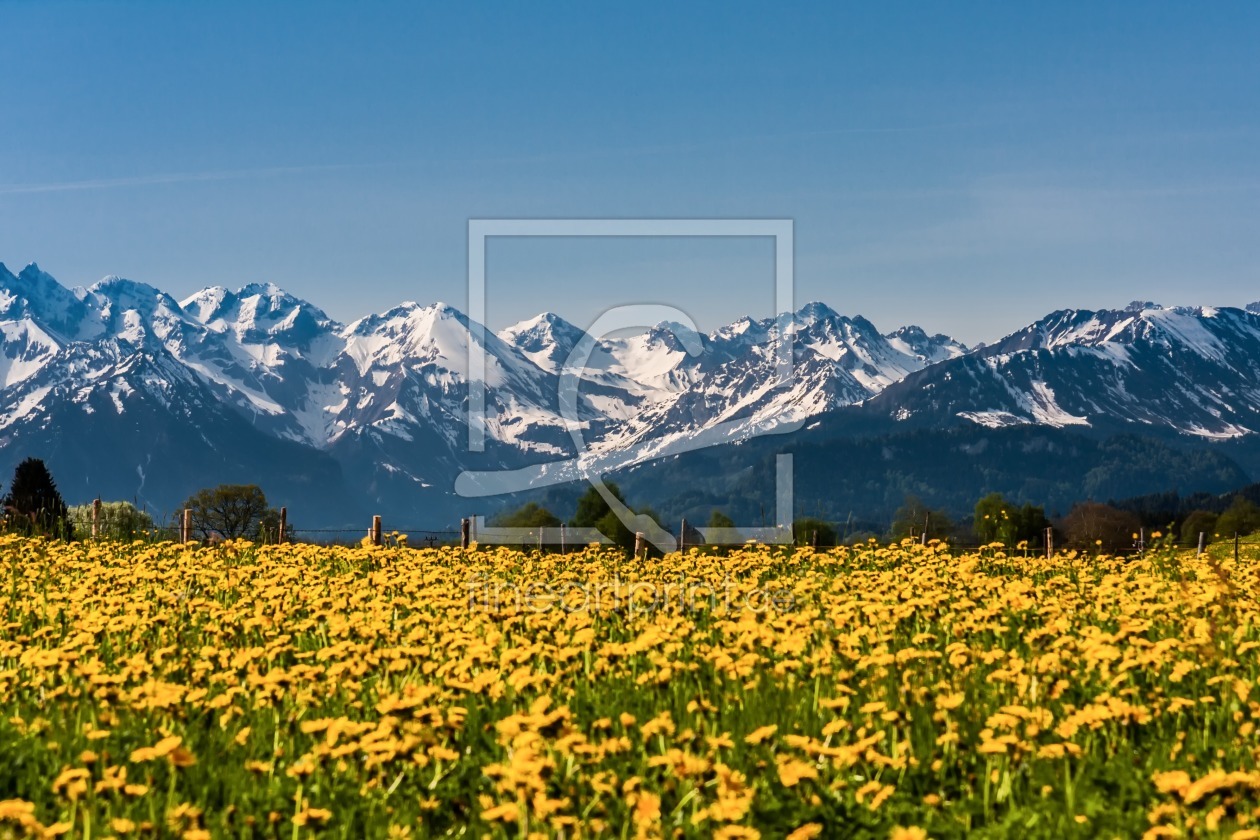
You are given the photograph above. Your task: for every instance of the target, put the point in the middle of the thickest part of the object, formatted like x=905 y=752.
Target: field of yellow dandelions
x=287 y=691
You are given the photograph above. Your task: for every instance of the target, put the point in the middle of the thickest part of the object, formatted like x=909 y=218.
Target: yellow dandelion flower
x=908 y=833
x=760 y=734
x=806 y=832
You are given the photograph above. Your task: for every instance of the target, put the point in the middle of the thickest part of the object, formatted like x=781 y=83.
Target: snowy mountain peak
x=674 y=336
x=542 y=331
x=914 y=341
x=135 y=312
x=260 y=312
x=1142 y=306
x=816 y=311
x=124 y=291
x=1254 y=308
x=32 y=269
x=32 y=293
x=1191 y=370
x=547 y=340
x=36 y=284
x=114 y=295
x=205 y=304
x=543 y=325
x=407 y=316
x=1179 y=327
x=268 y=290
x=445 y=310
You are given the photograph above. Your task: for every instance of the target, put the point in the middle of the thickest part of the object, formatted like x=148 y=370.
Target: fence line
x=473 y=529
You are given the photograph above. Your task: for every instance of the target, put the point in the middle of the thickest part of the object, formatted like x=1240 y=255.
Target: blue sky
x=967 y=167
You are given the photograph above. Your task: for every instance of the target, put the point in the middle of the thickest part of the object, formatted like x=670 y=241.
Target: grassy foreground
x=158 y=690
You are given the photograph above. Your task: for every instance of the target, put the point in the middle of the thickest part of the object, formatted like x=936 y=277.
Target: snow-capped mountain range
x=1194 y=371
x=138 y=394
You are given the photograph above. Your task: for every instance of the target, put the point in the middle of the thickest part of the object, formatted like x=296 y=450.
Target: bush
x=1242 y=517
x=119 y=521
x=1200 y=521
x=803 y=531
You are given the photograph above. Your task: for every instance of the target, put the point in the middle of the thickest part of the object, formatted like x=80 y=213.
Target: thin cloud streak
x=726 y=141
x=607 y=152
x=173 y=178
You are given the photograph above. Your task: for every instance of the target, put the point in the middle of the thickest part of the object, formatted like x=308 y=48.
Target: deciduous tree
x=717 y=519
x=999 y=520
x=230 y=511
x=1093 y=525
x=530 y=515
x=1241 y=517
x=914 y=516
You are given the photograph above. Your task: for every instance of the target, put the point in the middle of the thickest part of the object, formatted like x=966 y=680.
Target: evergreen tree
x=1031 y=523
x=594 y=512
x=33 y=505
x=591 y=507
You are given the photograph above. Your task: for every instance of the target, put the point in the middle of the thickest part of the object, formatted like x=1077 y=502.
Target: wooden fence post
x=96 y=518
x=562 y=536
x=813 y=539
x=682 y=537
x=638 y=544
x=185 y=528
x=465 y=529
x=284 y=525
x=376 y=530
x=1200 y=553
x=1235 y=546
x=1049 y=543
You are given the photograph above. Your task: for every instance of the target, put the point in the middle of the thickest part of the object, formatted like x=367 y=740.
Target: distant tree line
x=34 y=507
x=1087 y=526
x=1216 y=516
x=592 y=511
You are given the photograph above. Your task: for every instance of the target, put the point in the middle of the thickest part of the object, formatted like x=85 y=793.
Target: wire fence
x=528 y=540
x=331 y=536
x=185 y=528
